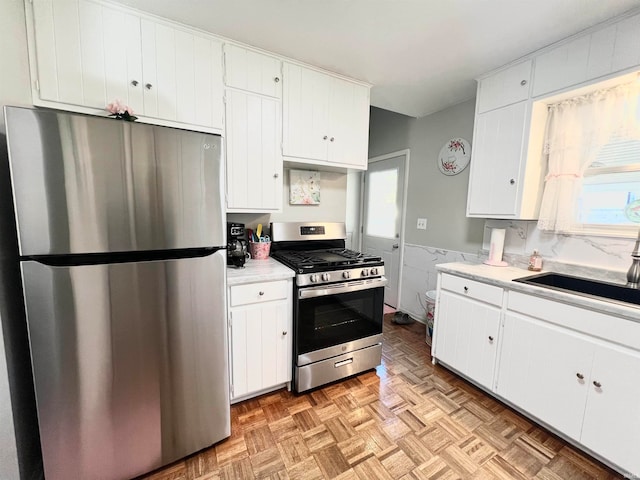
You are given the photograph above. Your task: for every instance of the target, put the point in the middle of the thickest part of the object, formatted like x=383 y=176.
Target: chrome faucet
x=633 y=274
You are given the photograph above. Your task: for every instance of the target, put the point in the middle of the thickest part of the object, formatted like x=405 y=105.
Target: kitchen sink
x=582 y=286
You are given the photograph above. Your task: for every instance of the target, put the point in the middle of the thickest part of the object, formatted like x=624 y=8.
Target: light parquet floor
x=407 y=420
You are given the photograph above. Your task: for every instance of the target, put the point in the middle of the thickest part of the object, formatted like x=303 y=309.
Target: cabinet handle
x=276 y=175
x=512 y=181
x=325 y=137
x=277 y=79
x=466 y=289
x=490 y=338
x=148 y=86
x=134 y=83
x=597 y=384
x=284 y=332
x=261 y=293
x=580 y=376
x=331 y=139
x=523 y=83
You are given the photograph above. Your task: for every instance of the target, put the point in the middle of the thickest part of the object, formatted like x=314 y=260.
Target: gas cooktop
x=305 y=261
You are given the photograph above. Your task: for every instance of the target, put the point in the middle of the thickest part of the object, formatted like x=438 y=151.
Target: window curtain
x=576 y=130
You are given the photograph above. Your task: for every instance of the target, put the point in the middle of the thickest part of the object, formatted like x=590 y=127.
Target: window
x=593 y=149
x=610 y=193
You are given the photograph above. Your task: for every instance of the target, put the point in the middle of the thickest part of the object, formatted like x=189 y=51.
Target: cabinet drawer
x=472 y=289
x=258 y=292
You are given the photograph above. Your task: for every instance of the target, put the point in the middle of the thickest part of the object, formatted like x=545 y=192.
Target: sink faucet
x=633 y=274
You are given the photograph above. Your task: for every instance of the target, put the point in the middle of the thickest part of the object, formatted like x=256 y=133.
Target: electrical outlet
x=422 y=224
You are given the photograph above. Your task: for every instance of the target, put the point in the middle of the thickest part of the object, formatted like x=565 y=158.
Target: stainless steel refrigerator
x=121 y=239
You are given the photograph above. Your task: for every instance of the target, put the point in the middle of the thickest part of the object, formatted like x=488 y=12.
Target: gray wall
x=438 y=198
x=14 y=90
x=332 y=208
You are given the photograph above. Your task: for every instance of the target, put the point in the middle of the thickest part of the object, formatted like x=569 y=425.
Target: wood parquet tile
x=407 y=420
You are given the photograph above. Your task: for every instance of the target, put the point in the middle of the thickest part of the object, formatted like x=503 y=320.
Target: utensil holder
x=259 y=250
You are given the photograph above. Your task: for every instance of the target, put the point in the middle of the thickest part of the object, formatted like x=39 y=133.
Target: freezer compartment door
x=85 y=184
x=129 y=363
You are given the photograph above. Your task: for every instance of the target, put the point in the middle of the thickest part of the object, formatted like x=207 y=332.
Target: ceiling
x=421 y=56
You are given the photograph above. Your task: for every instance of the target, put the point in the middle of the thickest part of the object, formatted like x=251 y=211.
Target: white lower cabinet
x=466 y=335
x=260 y=323
x=585 y=389
x=574 y=369
x=611 y=424
x=542 y=370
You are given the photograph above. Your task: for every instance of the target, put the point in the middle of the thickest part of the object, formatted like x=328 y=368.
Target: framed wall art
x=304 y=187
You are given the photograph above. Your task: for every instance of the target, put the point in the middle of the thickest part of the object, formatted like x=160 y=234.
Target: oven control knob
x=365 y=272
x=313 y=278
x=346 y=274
x=374 y=271
x=325 y=277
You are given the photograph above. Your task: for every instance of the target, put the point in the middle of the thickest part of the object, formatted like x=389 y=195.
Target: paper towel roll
x=496 y=246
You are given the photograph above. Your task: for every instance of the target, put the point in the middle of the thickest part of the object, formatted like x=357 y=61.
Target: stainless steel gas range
x=338 y=302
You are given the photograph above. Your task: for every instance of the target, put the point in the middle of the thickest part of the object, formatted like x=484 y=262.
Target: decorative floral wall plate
x=454 y=156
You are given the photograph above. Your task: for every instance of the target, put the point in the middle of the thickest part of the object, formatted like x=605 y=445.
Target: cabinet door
x=182 y=75
x=626 y=52
x=254 y=162
x=82 y=59
x=612 y=416
x=497 y=157
x=252 y=71
x=305 y=113
x=260 y=347
x=466 y=335
x=349 y=123
x=540 y=370
x=562 y=67
x=505 y=87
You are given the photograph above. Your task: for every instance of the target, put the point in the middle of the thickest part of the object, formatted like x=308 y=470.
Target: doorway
x=383 y=217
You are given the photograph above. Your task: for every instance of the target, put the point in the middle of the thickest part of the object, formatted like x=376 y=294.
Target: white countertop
x=258 y=271
x=504 y=276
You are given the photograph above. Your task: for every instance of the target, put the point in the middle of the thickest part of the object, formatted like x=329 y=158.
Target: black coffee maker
x=237 y=252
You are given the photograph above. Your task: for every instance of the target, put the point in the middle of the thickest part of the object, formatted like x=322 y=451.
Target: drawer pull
x=523 y=83
x=597 y=384
x=343 y=362
x=490 y=338
x=466 y=289
x=261 y=293
x=284 y=332
x=580 y=376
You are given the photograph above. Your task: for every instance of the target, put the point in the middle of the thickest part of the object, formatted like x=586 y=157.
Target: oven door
x=337 y=318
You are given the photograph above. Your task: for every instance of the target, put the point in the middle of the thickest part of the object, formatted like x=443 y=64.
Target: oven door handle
x=336 y=288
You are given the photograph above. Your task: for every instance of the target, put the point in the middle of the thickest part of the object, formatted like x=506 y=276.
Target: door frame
x=403 y=213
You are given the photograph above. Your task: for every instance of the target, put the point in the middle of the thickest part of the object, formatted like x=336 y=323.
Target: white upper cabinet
x=506 y=179
x=252 y=71
x=81 y=59
x=182 y=75
x=508 y=86
x=88 y=54
x=254 y=159
x=325 y=118
x=612 y=49
x=562 y=66
x=495 y=175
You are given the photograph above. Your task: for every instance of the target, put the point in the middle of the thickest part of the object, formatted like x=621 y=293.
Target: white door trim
x=403 y=214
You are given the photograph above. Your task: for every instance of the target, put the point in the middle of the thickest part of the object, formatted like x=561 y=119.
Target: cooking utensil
x=259 y=232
